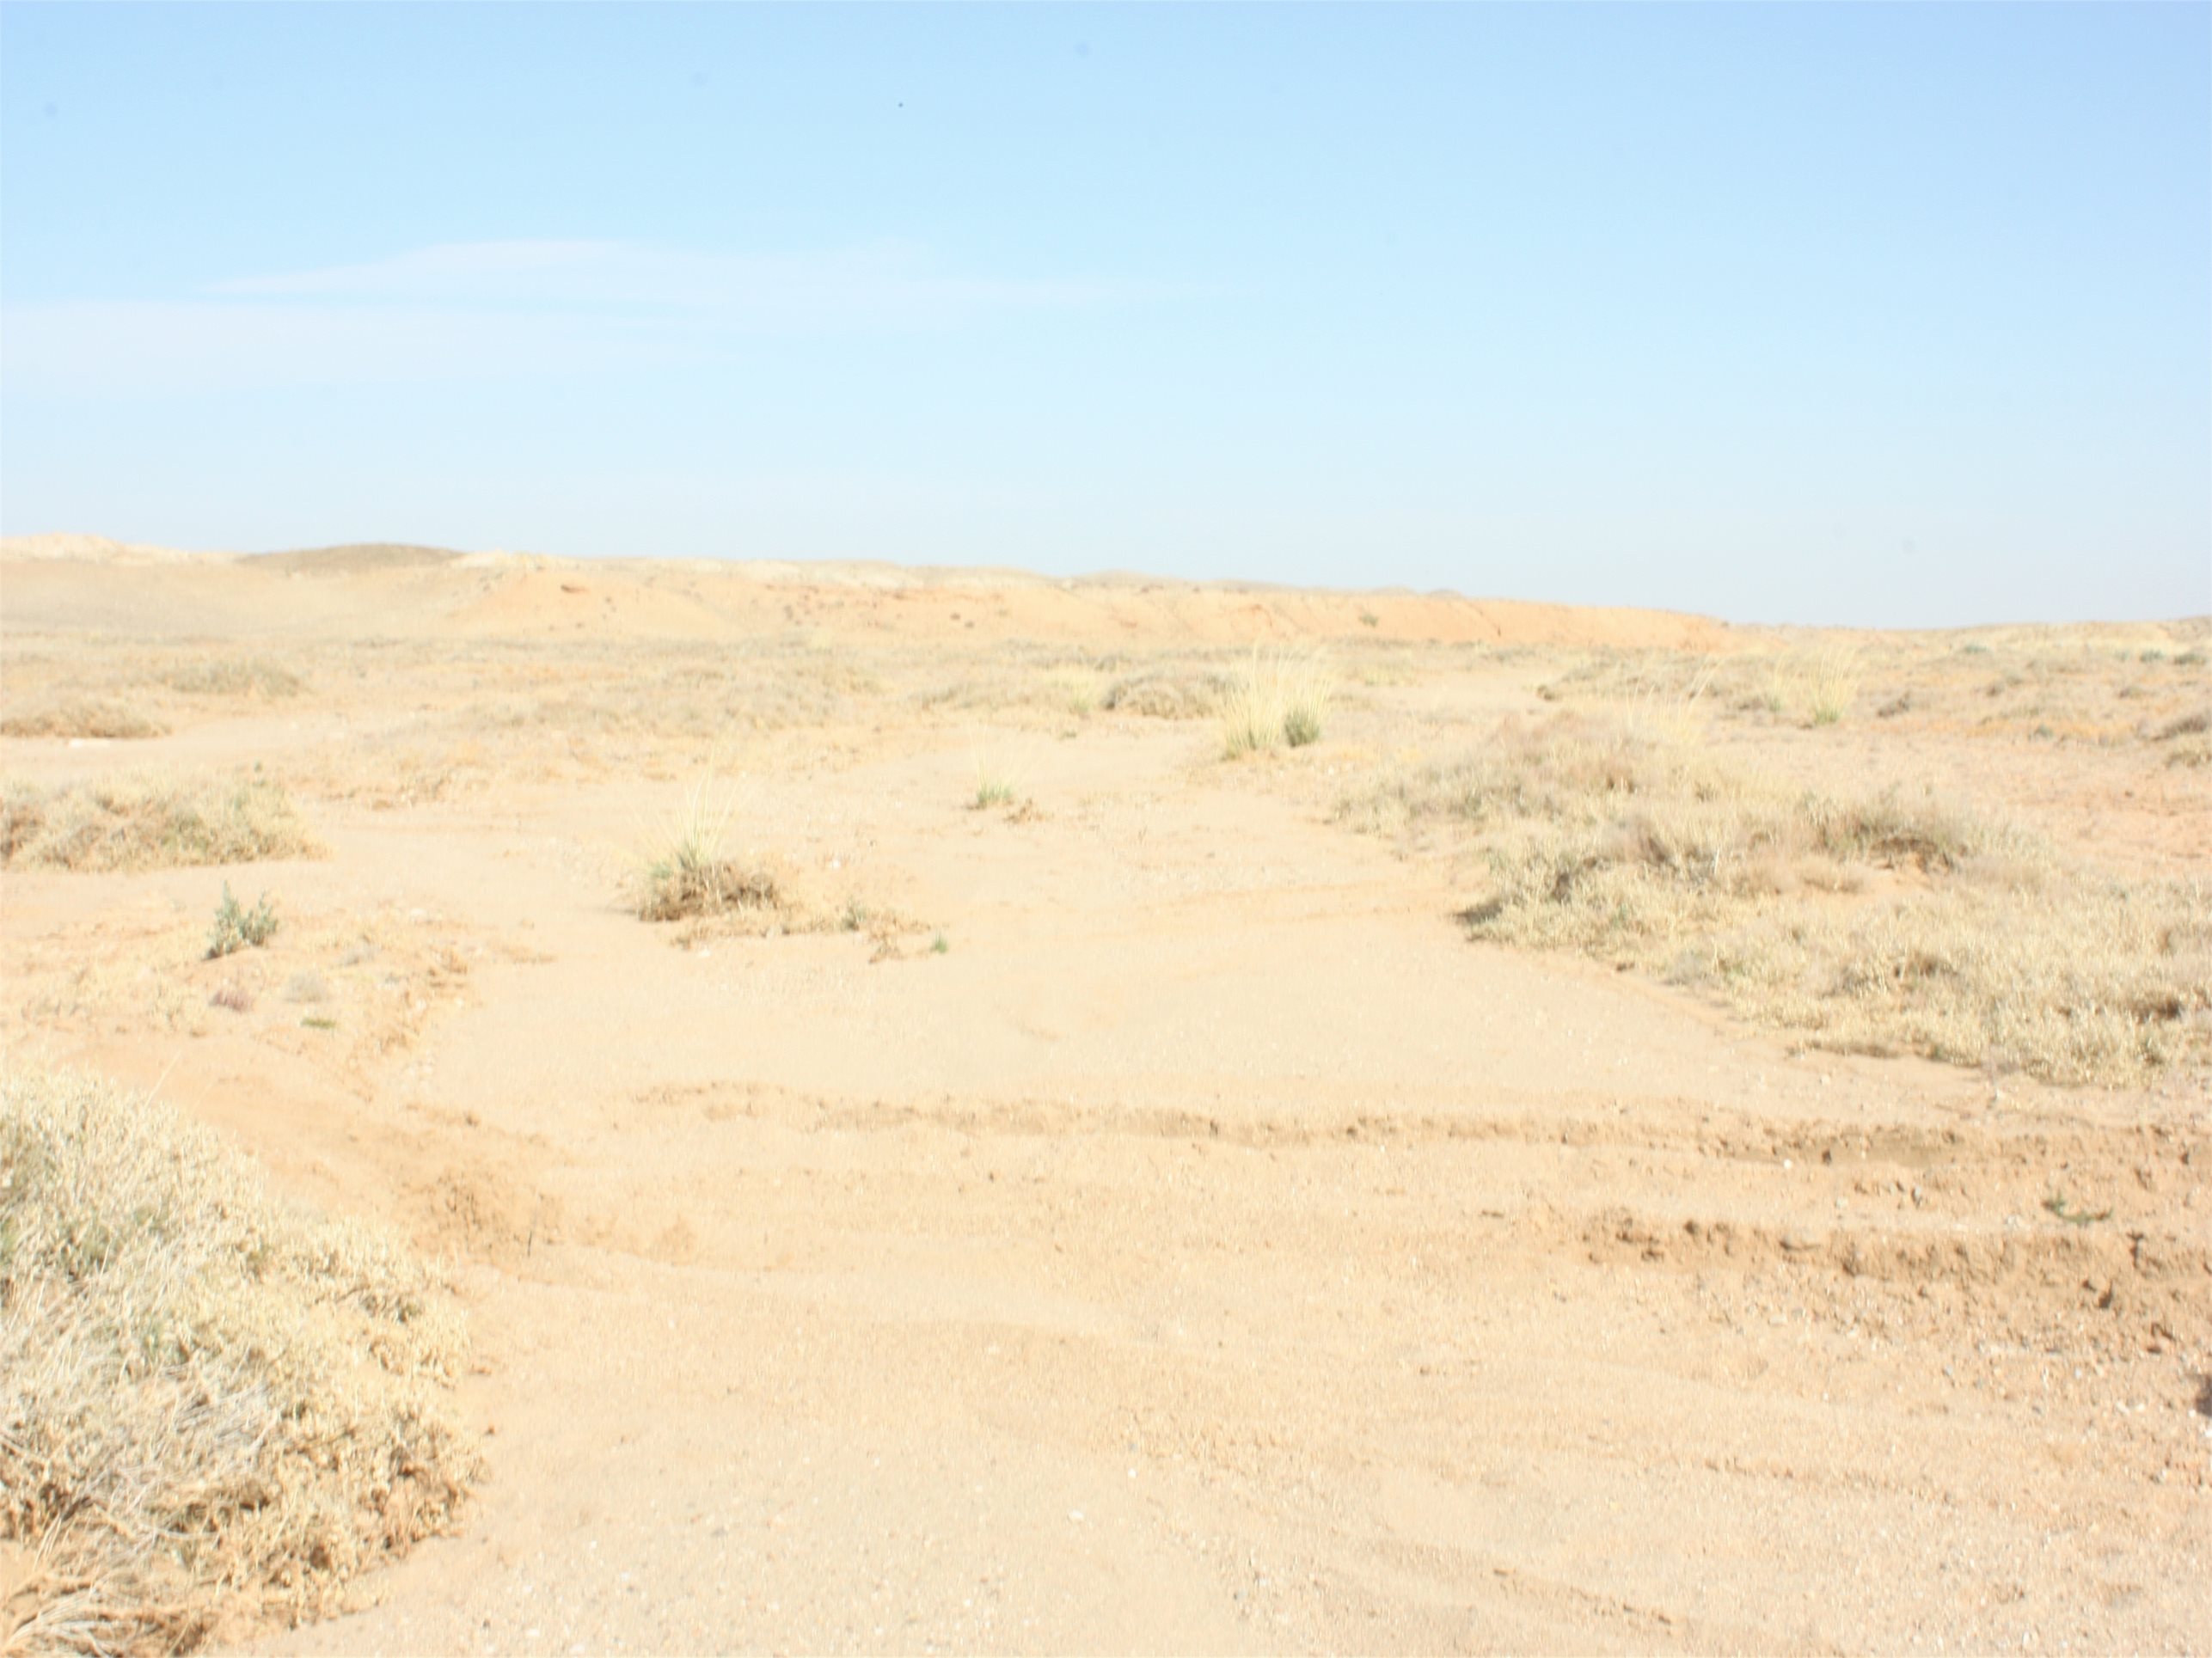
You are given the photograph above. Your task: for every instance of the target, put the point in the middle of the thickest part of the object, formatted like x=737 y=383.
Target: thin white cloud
x=495 y=309
x=192 y=346
x=883 y=282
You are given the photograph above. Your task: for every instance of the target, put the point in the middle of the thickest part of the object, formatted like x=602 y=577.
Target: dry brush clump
x=149 y=822
x=212 y=1407
x=233 y=677
x=684 y=871
x=82 y=717
x=1183 y=691
x=1878 y=924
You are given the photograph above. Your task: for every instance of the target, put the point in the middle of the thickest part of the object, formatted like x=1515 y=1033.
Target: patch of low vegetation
x=235 y=997
x=1167 y=694
x=149 y=822
x=307 y=985
x=237 y=928
x=996 y=787
x=1075 y=690
x=1818 y=685
x=213 y=1408
x=2194 y=751
x=685 y=871
x=1275 y=700
x=2028 y=684
x=83 y=717
x=237 y=676
x=1878 y=925
x=2072 y=1213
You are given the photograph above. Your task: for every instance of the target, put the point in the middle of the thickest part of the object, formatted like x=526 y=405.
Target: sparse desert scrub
x=1275 y=699
x=211 y=1405
x=2034 y=685
x=149 y=822
x=82 y=717
x=2078 y=979
x=237 y=676
x=1879 y=923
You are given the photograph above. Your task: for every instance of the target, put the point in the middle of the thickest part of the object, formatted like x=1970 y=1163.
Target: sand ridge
x=86 y=582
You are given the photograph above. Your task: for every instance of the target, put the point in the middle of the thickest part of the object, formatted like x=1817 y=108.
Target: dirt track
x=1208 y=1250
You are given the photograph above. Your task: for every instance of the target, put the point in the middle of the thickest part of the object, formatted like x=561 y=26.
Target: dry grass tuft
x=996 y=784
x=685 y=874
x=1873 y=925
x=149 y=822
x=1274 y=699
x=1816 y=684
x=211 y=1406
x=82 y=717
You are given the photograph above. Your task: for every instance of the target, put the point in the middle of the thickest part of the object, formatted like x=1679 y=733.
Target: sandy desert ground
x=1099 y=1194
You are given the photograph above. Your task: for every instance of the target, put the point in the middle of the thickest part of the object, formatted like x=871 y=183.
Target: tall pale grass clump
x=1818 y=685
x=150 y=822
x=685 y=869
x=212 y=1407
x=995 y=787
x=1274 y=699
x=1873 y=923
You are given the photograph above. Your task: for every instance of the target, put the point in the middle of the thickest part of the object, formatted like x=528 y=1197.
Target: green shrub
x=238 y=929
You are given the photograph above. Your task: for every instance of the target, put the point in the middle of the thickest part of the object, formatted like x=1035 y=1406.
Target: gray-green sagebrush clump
x=212 y=1407
x=1875 y=925
x=237 y=928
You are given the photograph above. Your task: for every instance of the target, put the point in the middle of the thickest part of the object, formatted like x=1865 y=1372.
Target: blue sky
x=1856 y=313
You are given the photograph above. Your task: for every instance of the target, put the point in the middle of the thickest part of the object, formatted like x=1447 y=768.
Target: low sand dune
x=426 y=593
x=71 y=547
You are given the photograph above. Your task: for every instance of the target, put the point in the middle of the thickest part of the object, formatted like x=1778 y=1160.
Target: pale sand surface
x=1210 y=1249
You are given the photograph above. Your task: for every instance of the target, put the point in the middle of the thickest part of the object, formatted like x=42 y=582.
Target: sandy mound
x=95 y=549
x=356 y=556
